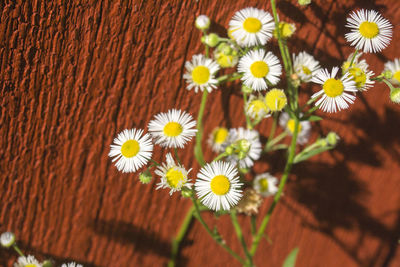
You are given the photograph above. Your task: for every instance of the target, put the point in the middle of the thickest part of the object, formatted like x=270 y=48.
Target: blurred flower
x=256 y=108
x=305 y=66
x=218 y=138
x=265 y=184
x=304 y=128
x=7 y=239
x=28 y=261
x=202 y=22
x=249 y=203
x=359 y=72
x=275 y=100
x=394 y=68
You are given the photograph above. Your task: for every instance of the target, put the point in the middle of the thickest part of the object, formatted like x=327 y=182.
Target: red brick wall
x=75 y=73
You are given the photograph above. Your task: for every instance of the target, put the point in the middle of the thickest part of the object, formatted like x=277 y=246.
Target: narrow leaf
x=290 y=260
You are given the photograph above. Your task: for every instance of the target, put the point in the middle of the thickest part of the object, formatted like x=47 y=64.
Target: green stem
x=248 y=121
x=16 y=248
x=176 y=155
x=155 y=162
x=198 y=152
x=253 y=225
x=352 y=59
x=239 y=234
x=288 y=167
x=180 y=235
x=220 y=156
x=274 y=141
x=273 y=127
x=216 y=236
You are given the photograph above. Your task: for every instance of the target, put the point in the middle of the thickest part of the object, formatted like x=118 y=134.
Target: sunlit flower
x=394 y=68
x=258 y=68
x=305 y=66
x=248 y=145
x=28 y=261
x=172 y=129
x=359 y=72
x=303 y=131
x=265 y=184
x=131 y=149
x=217 y=185
x=251 y=26
x=275 y=100
x=336 y=93
x=370 y=32
x=256 y=108
x=173 y=175
x=218 y=138
x=202 y=22
x=200 y=73
x=7 y=239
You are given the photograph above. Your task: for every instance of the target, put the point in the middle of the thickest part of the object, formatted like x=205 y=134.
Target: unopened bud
x=186 y=192
x=211 y=40
x=304 y=2
x=332 y=138
x=48 y=263
x=7 y=239
x=244 y=145
x=387 y=74
x=229 y=150
x=202 y=22
x=145 y=177
x=241 y=155
x=246 y=89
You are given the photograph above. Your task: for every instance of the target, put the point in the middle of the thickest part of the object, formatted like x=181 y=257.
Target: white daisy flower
x=394 y=68
x=28 y=261
x=334 y=91
x=217 y=185
x=71 y=264
x=258 y=67
x=173 y=176
x=359 y=72
x=305 y=66
x=131 y=150
x=370 y=32
x=245 y=138
x=265 y=184
x=218 y=139
x=256 y=108
x=7 y=239
x=251 y=26
x=200 y=73
x=172 y=129
x=303 y=131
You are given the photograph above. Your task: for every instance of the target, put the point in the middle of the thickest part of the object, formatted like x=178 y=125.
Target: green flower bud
x=229 y=150
x=145 y=177
x=387 y=74
x=332 y=138
x=244 y=145
x=244 y=170
x=304 y=2
x=227 y=50
x=395 y=95
x=246 y=89
x=202 y=22
x=211 y=40
x=322 y=142
x=241 y=155
x=47 y=263
x=7 y=239
x=186 y=192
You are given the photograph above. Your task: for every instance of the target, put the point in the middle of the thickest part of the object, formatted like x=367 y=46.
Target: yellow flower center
x=257 y=105
x=290 y=125
x=225 y=61
x=263 y=184
x=396 y=76
x=252 y=25
x=369 y=29
x=259 y=69
x=220 y=135
x=359 y=76
x=30 y=265
x=200 y=74
x=287 y=29
x=220 y=185
x=275 y=100
x=130 y=148
x=172 y=129
x=333 y=87
x=306 y=70
x=174 y=177
x=346 y=65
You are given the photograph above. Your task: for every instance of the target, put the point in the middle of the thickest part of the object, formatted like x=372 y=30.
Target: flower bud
x=395 y=95
x=387 y=74
x=332 y=138
x=145 y=177
x=229 y=150
x=304 y=2
x=186 y=192
x=211 y=40
x=322 y=142
x=244 y=145
x=47 y=263
x=7 y=239
x=202 y=22
x=285 y=30
x=241 y=155
x=246 y=89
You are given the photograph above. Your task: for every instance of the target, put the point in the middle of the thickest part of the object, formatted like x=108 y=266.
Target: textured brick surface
x=75 y=73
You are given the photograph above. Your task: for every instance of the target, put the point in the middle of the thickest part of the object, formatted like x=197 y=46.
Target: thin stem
x=220 y=156
x=285 y=176
x=198 y=152
x=180 y=235
x=273 y=127
x=215 y=236
x=352 y=59
x=248 y=121
x=16 y=248
x=239 y=234
x=155 y=162
x=274 y=141
x=176 y=155
x=253 y=225
x=281 y=48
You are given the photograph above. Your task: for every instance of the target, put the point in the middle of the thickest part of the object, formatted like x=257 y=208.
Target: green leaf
x=290 y=260
x=303 y=156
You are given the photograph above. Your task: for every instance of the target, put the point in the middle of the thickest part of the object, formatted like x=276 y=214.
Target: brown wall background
x=75 y=73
